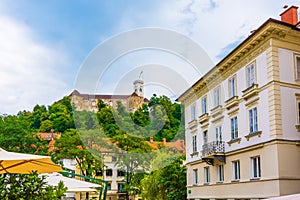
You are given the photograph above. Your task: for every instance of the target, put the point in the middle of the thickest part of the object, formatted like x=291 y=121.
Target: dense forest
x=126 y=131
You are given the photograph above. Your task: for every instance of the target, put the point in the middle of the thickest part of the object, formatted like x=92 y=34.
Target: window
x=250 y=75
x=205 y=137
x=120 y=187
x=120 y=173
x=231 y=86
x=298 y=112
x=98 y=172
x=236 y=170
x=219 y=134
x=217 y=96
x=206 y=175
x=220 y=173
x=255 y=167
x=234 y=128
x=193 y=112
x=195 y=176
x=298 y=67
x=204 y=105
x=194 y=143
x=109 y=172
x=109 y=186
x=253 y=127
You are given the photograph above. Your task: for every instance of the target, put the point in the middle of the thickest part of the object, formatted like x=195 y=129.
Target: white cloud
x=214 y=24
x=28 y=69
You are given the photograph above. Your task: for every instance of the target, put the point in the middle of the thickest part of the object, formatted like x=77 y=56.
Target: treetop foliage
x=29 y=187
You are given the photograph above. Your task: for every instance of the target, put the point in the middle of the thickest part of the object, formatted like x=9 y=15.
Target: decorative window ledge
x=252 y=102
x=236 y=140
x=206 y=183
x=192 y=124
x=219 y=182
x=216 y=111
x=232 y=112
x=297 y=127
x=203 y=118
x=232 y=102
x=258 y=133
x=250 y=91
x=235 y=181
x=255 y=179
x=194 y=154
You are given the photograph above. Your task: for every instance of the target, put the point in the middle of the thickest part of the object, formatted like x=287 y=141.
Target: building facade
x=89 y=102
x=242 y=119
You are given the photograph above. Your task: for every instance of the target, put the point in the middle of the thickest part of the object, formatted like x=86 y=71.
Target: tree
x=141 y=116
x=46 y=126
x=134 y=160
x=165 y=118
x=29 y=187
x=61 y=114
x=15 y=135
x=70 y=146
x=167 y=183
x=107 y=122
x=85 y=120
x=40 y=113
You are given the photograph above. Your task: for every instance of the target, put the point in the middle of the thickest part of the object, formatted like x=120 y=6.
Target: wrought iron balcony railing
x=213 y=148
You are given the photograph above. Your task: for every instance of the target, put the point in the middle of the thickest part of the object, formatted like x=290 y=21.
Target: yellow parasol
x=21 y=163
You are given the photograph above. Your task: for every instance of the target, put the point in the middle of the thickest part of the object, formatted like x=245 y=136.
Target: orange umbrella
x=21 y=163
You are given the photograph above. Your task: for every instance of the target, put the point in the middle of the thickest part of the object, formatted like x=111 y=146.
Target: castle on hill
x=89 y=102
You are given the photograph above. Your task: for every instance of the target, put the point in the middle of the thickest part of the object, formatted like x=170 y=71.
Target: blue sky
x=44 y=43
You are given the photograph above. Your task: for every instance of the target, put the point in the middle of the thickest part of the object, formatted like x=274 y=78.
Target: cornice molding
x=240 y=57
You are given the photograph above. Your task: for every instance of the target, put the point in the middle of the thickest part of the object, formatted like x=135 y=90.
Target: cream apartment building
x=243 y=118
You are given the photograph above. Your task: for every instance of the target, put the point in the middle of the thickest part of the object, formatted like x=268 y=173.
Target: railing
x=213 y=147
x=102 y=190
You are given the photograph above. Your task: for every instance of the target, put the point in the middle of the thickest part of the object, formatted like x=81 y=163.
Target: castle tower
x=138 y=87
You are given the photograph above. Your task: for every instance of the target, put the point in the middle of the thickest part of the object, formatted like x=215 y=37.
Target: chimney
x=290 y=15
x=164 y=141
x=151 y=140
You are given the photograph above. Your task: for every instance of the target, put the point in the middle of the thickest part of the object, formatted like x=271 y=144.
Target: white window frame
x=220 y=173
x=298 y=112
x=236 y=173
x=232 y=86
x=194 y=143
x=205 y=137
x=217 y=96
x=250 y=75
x=204 y=105
x=219 y=136
x=234 y=129
x=195 y=174
x=253 y=120
x=297 y=66
x=255 y=167
x=206 y=175
x=193 y=112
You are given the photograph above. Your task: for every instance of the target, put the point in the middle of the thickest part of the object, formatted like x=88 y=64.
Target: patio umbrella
x=287 y=197
x=72 y=184
x=20 y=163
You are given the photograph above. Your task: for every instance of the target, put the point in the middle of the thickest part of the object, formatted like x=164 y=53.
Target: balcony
x=192 y=124
x=214 y=152
x=250 y=92
x=204 y=118
x=216 y=111
x=232 y=102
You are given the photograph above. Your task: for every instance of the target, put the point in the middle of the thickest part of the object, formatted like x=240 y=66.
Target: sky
x=45 y=45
